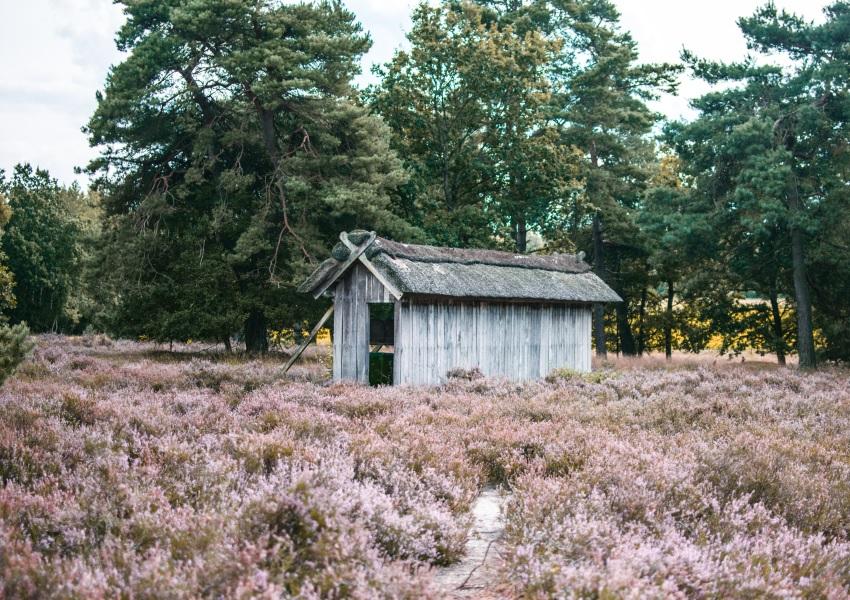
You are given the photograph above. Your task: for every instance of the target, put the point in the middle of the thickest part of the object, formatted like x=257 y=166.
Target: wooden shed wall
x=515 y=340
x=352 y=295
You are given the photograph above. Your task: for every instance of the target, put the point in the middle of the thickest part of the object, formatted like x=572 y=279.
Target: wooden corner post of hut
x=410 y=314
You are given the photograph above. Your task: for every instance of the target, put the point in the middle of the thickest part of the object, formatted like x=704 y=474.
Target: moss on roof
x=473 y=273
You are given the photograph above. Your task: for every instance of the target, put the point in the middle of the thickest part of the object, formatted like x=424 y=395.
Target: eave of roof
x=493 y=281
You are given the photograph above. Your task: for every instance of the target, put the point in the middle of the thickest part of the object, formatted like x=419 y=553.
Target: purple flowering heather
x=130 y=471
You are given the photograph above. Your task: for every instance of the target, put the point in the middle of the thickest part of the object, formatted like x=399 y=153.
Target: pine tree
x=599 y=103
x=769 y=151
x=233 y=152
x=467 y=104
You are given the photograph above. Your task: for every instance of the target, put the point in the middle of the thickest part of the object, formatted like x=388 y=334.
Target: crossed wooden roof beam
x=357 y=253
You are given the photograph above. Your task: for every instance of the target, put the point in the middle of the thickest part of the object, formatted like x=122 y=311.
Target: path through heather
x=476 y=575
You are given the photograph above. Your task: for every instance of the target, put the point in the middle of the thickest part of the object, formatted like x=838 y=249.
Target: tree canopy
x=234 y=150
x=234 y=147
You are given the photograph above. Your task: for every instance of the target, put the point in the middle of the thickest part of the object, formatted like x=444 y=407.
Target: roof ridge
x=425 y=253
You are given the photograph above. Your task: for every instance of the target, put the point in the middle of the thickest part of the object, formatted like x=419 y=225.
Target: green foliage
x=527 y=117
x=15 y=346
x=600 y=105
x=234 y=149
x=233 y=153
x=468 y=106
x=7 y=278
x=41 y=247
x=767 y=156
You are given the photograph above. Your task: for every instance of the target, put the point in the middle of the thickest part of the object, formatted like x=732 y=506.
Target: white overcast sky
x=54 y=55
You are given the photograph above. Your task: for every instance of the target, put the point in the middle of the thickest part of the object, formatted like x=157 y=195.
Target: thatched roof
x=469 y=273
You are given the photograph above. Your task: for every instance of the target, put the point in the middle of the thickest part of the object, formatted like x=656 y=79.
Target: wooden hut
x=440 y=309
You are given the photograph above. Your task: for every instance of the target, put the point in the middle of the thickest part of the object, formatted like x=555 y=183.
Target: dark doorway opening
x=381 y=342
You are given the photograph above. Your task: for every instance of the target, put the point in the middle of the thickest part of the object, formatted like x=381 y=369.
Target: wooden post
x=309 y=339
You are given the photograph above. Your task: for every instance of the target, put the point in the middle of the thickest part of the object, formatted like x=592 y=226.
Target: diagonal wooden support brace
x=309 y=339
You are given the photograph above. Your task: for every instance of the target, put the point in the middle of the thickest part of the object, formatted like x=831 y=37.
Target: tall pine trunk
x=256 y=335
x=668 y=323
x=627 y=338
x=641 y=340
x=778 y=335
x=520 y=235
x=599 y=268
x=805 y=329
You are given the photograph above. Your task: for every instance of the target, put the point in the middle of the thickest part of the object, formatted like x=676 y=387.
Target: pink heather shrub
x=130 y=471
x=696 y=483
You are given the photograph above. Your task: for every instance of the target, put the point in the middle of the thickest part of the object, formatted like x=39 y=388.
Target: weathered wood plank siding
x=352 y=295
x=515 y=340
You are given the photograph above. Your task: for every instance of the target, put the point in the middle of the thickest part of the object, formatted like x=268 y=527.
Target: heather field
x=130 y=471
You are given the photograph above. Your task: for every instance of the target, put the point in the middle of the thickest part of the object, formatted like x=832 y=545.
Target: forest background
x=233 y=146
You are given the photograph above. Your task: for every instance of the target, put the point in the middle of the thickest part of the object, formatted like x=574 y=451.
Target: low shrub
x=15 y=346
x=131 y=473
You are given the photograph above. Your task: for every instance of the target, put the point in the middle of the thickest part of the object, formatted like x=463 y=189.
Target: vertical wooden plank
x=556 y=360
x=480 y=336
x=513 y=356
x=496 y=337
x=449 y=345
x=336 y=340
x=434 y=346
x=533 y=336
x=565 y=337
x=426 y=313
x=349 y=361
x=509 y=361
x=484 y=318
x=527 y=326
x=407 y=346
x=544 y=341
x=572 y=334
x=355 y=353
x=568 y=339
x=398 y=349
x=348 y=368
x=494 y=324
x=416 y=333
x=345 y=331
x=462 y=330
x=416 y=336
x=362 y=326
x=453 y=344
x=436 y=359
x=578 y=330
x=443 y=358
x=585 y=336
x=551 y=350
x=410 y=331
x=575 y=330
x=568 y=326
x=472 y=315
x=428 y=347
